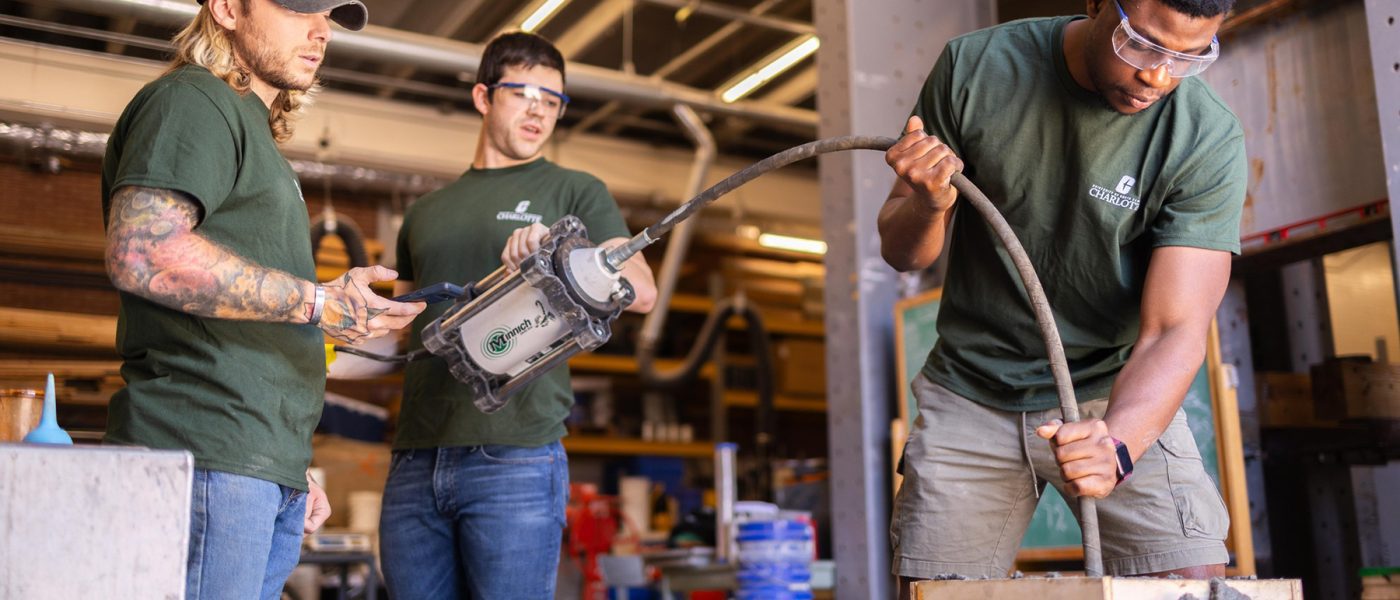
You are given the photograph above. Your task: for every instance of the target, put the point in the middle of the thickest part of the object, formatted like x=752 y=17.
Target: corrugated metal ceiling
x=699 y=44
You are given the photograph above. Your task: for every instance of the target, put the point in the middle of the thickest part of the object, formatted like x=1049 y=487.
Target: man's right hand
x=354 y=313
x=926 y=165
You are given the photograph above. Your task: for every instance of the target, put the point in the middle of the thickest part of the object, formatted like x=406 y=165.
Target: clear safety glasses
x=1145 y=55
x=535 y=96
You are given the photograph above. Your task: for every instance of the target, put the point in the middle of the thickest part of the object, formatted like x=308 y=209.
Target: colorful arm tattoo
x=154 y=252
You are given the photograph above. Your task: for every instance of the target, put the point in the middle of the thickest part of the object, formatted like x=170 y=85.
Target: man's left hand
x=1086 y=454
x=318 y=508
x=522 y=243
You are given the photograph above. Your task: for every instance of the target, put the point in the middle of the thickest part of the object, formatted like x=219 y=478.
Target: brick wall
x=70 y=203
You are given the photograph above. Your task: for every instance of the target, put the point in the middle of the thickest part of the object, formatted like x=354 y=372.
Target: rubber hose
x=760 y=344
x=1040 y=305
x=1054 y=349
x=348 y=232
x=694 y=360
x=765 y=425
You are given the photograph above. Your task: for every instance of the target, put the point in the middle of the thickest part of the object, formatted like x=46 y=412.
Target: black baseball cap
x=350 y=14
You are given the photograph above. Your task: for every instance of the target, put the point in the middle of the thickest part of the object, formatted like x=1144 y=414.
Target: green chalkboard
x=1053 y=525
x=915 y=332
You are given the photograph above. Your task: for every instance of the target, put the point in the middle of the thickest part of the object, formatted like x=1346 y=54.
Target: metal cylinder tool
x=518 y=325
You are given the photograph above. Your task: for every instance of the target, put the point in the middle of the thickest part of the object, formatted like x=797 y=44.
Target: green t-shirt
x=456 y=234
x=1089 y=192
x=242 y=396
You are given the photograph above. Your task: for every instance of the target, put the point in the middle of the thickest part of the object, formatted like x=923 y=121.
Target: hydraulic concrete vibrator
x=513 y=326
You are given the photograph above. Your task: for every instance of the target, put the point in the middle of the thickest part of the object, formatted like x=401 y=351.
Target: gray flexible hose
x=1040 y=305
x=1054 y=348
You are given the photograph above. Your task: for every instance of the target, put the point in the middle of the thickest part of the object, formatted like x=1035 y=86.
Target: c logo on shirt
x=1125 y=185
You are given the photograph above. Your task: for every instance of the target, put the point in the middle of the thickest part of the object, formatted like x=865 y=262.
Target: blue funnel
x=48 y=431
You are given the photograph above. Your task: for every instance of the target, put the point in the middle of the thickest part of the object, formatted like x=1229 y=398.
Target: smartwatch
x=1125 y=460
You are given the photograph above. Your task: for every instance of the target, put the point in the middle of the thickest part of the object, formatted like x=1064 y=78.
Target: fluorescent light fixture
x=795 y=244
x=774 y=68
x=541 y=14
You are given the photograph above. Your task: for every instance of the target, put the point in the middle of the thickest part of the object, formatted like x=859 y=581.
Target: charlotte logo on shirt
x=519 y=214
x=1121 y=194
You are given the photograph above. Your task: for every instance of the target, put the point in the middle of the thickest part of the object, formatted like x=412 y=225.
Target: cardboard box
x=801 y=367
x=1286 y=400
x=1356 y=388
x=350 y=466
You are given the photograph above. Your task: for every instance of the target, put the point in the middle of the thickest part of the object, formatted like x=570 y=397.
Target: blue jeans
x=245 y=536
x=474 y=522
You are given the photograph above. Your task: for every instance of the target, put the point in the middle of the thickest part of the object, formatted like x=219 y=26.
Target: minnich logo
x=1119 y=195
x=501 y=340
x=519 y=214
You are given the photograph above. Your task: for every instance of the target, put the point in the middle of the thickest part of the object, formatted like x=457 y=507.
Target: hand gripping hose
x=1059 y=368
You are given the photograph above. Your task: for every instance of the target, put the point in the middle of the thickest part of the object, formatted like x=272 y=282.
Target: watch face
x=1125 y=460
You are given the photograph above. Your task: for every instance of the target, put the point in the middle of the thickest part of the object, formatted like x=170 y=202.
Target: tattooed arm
x=153 y=252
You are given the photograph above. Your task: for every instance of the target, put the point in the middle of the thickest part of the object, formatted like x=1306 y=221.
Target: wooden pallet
x=1105 y=588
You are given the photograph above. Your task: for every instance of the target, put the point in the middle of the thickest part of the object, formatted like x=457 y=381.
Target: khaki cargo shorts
x=969 y=494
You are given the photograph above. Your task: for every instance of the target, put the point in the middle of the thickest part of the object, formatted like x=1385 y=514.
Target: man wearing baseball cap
x=221 y=322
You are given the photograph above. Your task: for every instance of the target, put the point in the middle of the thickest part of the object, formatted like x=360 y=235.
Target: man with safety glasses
x=474 y=504
x=1124 y=177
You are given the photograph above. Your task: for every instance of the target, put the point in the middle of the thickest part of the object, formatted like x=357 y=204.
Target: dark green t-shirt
x=1089 y=192
x=456 y=234
x=242 y=396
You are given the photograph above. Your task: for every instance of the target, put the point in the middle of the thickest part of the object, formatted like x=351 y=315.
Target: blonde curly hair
x=207 y=44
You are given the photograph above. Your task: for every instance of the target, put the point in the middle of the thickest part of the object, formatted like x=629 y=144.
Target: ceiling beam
x=734 y=14
x=446 y=27
x=681 y=61
x=585 y=32
x=515 y=20
x=123 y=26
x=381 y=44
x=800 y=86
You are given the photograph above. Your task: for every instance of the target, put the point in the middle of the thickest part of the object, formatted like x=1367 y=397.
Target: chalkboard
x=915 y=322
x=1053 y=526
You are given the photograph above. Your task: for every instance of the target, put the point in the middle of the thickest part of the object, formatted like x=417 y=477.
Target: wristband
x=1125 y=460
x=318 y=305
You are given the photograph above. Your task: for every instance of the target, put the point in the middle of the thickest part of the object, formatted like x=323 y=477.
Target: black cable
x=409 y=357
x=650 y=235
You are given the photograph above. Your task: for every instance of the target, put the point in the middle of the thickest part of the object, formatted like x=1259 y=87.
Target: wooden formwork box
x=801 y=367
x=1356 y=388
x=1104 y=588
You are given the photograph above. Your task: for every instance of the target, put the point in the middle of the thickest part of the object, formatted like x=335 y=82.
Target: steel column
x=1233 y=321
x=1384 y=31
x=873 y=60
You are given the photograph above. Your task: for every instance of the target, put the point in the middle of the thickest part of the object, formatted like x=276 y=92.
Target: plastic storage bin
x=775 y=559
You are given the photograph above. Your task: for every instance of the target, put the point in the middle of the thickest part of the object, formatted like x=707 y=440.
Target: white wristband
x=318 y=305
